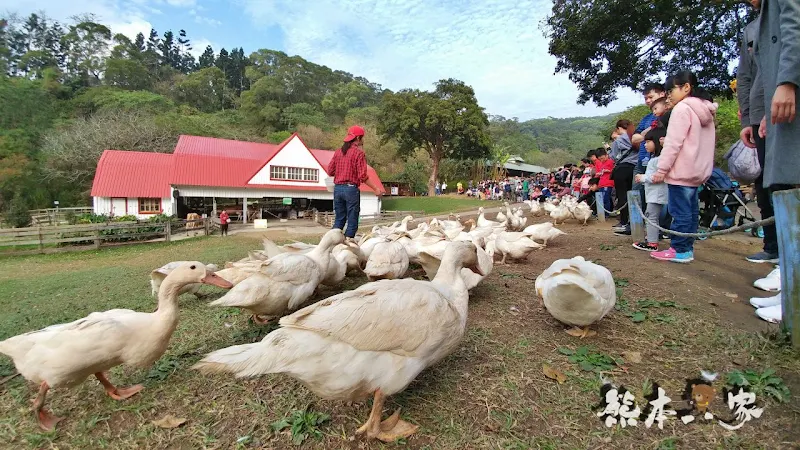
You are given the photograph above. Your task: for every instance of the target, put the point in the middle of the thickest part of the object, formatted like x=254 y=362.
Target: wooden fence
x=327 y=218
x=53 y=216
x=40 y=239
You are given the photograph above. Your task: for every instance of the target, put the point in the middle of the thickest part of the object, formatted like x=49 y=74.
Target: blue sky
x=496 y=46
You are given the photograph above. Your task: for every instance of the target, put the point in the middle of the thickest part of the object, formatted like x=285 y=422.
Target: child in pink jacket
x=686 y=160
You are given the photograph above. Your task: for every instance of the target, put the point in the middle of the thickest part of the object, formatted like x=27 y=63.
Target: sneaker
x=646 y=246
x=759 y=302
x=763 y=257
x=623 y=232
x=619 y=225
x=665 y=236
x=772 y=314
x=664 y=255
x=672 y=256
x=771 y=282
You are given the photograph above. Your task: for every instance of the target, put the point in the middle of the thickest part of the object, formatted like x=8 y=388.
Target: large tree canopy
x=446 y=123
x=607 y=44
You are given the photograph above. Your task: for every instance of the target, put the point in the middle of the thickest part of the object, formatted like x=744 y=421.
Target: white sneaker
x=771 y=282
x=759 y=302
x=771 y=314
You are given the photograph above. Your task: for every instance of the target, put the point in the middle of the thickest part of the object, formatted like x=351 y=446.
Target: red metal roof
x=132 y=174
x=200 y=161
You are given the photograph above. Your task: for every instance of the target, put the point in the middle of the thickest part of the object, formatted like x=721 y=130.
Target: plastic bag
x=743 y=163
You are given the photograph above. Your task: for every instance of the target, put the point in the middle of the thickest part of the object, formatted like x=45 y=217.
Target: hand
x=638 y=178
x=378 y=192
x=746 y=135
x=762 y=128
x=637 y=139
x=783 y=103
x=657 y=178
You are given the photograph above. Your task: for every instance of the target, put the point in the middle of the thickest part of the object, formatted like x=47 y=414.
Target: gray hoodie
x=622 y=151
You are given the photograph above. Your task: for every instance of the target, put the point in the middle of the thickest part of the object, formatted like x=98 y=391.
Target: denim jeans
x=607 y=200
x=685 y=210
x=346 y=207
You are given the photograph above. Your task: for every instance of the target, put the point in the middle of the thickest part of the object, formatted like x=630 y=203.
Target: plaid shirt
x=350 y=168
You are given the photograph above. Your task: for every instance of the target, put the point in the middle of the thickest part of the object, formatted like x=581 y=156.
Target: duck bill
x=476 y=268
x=216 y=280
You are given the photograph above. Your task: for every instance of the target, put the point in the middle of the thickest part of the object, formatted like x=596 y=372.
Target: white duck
x=388 y=260
x=283 y=282
x=370 y=341
x=157 y=277
x=544 y=232
x=518 y=220
x=237 y=272
x=66 y=354
x=484 y=222
x=561 y=213
x=344 y=258
x=515 y=245
x=485 y=263
x=582 y=212
x=577 y=292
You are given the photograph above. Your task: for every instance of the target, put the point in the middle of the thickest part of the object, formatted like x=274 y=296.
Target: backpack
x=743 y=163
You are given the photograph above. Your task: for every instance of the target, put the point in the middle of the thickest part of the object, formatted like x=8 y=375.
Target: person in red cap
x=349 y=170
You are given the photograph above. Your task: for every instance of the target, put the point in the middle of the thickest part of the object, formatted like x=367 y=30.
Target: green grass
x=489 y=393
x=435 y=205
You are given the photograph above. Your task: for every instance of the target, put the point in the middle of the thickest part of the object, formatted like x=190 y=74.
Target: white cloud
x=493 y=45
x=181 y=3
x=199 y=46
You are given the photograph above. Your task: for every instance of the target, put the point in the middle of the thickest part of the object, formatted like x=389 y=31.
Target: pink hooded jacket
x=688 y=154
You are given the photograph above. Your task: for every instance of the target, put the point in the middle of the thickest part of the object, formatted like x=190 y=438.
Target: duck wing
x=397 y=316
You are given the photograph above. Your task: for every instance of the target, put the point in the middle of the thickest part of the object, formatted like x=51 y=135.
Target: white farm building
x=206 y=175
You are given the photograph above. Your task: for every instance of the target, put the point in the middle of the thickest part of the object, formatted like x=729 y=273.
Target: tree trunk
x=436 y=158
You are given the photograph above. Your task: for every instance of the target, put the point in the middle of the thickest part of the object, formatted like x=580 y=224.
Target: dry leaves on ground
x=554 y=374
x=169 y=421
x=633 y=357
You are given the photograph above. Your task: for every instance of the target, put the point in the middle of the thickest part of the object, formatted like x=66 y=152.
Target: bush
x=17 y=214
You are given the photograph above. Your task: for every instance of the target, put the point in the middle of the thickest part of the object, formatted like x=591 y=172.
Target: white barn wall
x=293 y=154
x=102 y=205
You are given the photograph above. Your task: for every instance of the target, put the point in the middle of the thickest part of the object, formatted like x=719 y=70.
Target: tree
x=500 y=157
x=345 y=96
x=207 y=58
x=446 y=123
x=607 y=44
x=17 y=214
x=127 y=74
x=302 y=114
x=207 y=90
x=87 y=43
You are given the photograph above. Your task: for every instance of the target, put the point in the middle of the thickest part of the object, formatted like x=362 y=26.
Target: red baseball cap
x=353 y=132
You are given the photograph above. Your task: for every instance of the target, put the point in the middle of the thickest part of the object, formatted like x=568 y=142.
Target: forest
x=71 y=90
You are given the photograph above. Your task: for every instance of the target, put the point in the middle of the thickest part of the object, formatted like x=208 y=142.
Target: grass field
x=490 y=393
x=436 y=205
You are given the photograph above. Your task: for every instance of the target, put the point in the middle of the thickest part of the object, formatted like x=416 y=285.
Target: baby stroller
x=722 y=204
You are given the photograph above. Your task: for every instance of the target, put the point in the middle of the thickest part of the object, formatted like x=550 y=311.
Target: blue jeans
x=607 y=200
x=685 y=211
x=346 y=207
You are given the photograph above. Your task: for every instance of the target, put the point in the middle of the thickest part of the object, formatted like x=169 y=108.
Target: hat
x=353 y=132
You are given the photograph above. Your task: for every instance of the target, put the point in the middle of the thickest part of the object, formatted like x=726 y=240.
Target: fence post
x=167 y=230
x=599 y=205
x=41 y=244
x=97 y=240
x=205 y=224
x=636 y=219
x=787 y=221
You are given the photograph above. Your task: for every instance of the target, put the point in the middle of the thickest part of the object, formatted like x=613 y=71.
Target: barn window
x=293 y=174
x=149 y=205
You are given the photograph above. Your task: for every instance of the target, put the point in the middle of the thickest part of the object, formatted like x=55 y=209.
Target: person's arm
x=744 y=77
x=332 y=164
x=785 y=98
x=679 y=124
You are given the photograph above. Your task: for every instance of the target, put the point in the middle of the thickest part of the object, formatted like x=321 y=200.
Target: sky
x=495 y=46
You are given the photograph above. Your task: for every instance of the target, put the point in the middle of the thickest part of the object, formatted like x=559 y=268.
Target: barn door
x=118 y=207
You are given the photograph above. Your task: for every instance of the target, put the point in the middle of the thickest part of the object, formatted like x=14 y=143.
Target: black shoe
x=623 y=232
x=665 y=236
x=764 y=257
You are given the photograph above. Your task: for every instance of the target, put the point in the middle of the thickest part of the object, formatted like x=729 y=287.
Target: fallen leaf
x=553 y=374
x=634 y=357
x=731 y=295
x=169 y=421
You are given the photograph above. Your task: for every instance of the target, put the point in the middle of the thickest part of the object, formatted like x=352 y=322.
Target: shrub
x=17 y=214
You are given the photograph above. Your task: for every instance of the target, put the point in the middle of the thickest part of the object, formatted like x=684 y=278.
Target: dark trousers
x=223 y=229
x=623 y=182
x=764 y=196
x=346 y=207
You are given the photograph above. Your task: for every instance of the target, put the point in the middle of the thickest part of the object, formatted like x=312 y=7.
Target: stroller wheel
x=759 y=233
x=703 y=230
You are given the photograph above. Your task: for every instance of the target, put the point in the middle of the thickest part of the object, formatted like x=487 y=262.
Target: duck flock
x=370 y=341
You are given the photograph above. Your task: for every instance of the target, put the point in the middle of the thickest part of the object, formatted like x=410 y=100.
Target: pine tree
x=153 y=41
x=207 y=58
x=168 y=51
x=139 y=42
x=223 y=62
